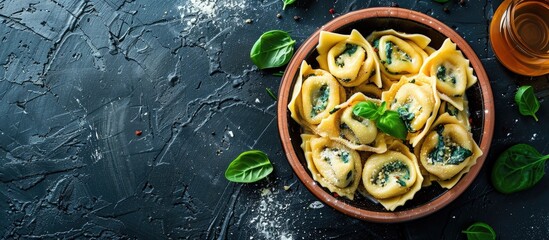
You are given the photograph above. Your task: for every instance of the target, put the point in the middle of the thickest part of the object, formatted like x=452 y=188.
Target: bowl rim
x=301 y=170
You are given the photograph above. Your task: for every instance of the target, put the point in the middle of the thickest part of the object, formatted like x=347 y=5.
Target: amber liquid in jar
x=519 y=33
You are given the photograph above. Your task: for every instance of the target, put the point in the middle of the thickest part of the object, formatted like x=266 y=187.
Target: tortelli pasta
x=392 y=177
x=355 y=132
x=451 y=71
x=333 y=165
x=399 y=54
x=416 y=100
x=348 y=154
x=448 y=151
x=350 y=58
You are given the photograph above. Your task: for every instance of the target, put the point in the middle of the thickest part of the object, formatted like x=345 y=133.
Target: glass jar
x=519 y=33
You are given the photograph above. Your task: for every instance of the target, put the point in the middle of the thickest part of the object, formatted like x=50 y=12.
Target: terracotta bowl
x=481 y=107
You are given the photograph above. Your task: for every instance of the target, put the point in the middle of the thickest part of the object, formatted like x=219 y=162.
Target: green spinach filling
x=320 y=100
x=444 y=76
x=447 y=152
x=406 y=116
x=397 y=168
x=343 y=155
x=389 y=52
x=390 y=47
x=450 y=109
x=350 y=49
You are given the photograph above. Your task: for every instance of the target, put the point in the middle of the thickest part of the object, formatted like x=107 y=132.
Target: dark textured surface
x=79 y=78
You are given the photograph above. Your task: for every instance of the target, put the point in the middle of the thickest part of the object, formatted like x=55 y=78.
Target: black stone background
x=79 y=77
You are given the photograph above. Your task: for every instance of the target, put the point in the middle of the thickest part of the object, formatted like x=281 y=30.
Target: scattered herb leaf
x=387 y=121
x=271 y=93
x=441 y=1
x=278 y=74
x=250 y=166
x=518 y=168
x=287 y=2
x=391 y=124
x=367 y=109
x=480 y=231
x=527 y=102
x=273 y=49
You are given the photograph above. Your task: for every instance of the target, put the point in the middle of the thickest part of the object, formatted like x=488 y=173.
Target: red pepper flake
x=446 y=10
x=138 y=132
x=376 y=50
x=336 y=195
x=332 y=11
x=470 y=120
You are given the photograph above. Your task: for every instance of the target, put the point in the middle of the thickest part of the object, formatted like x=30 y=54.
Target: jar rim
x=508 y=22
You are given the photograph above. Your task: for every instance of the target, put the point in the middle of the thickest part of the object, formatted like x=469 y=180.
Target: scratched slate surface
x=78 y=78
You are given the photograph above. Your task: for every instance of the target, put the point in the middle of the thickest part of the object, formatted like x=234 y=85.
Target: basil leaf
x=387 y=121
x=273 y=49
x=518 y=168
x=367 y=110
x=249 y=166
x=527 y=102
x=381 y=109
x=480 y=231
x=391 y=124
x=286 y=3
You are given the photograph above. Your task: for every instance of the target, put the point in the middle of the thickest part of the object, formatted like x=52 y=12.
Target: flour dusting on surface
x=270 y=221
x=198 y=11
x=316 y=205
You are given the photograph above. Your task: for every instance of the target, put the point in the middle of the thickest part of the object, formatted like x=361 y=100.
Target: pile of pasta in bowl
x=384 y=115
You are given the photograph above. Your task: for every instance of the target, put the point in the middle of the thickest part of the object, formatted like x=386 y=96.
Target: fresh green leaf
x=273 y=49
x=518 y=168
x=271 y=93
x=286 y=3
x=367 y=110
x=249 y=166
x=382 y=108
x=278 y=74
x=391 y=124
x=480 y=231
x=387 y=121
x=527 y=102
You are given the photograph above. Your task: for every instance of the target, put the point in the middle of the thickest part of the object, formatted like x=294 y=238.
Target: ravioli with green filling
x=452 y=72
x=333 y=165
x=350 y=130
x=315 y=93
x=350 y=58
x=448 y=151
x=416 y=101
x=400 y=54
x=392 y=177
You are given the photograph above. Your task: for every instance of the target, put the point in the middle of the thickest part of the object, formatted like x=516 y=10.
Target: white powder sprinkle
x=270 y=221
x=198 y=11
x=316 y=205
